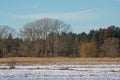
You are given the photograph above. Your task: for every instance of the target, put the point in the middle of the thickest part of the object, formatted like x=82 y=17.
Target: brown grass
x=57 y=59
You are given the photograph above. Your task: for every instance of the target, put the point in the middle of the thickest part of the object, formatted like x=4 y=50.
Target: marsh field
x=59 y=68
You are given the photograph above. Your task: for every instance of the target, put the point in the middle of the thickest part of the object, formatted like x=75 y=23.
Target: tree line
x=52 y=38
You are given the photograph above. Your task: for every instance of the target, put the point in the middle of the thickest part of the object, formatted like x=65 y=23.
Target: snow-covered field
x=61 y=71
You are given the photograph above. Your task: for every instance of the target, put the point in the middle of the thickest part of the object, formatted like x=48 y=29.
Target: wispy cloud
x=80 y=15
x=34 y=7
x=116 y=0
x=6 y=14
x=28 y=7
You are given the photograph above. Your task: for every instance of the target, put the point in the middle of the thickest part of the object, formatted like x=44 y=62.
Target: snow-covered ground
x=60 y=71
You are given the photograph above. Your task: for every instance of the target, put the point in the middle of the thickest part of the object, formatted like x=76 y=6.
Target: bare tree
x=5 y=31
x=43 y=27
x=40 y=30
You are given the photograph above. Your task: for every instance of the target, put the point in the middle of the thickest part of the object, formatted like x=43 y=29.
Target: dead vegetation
x=12 y=64
x=115 y=70
x=12 y=61
x=64 y=68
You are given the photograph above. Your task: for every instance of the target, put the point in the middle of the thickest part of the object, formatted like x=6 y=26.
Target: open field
x=60 y=71
x=58 y=59
x=60 y=68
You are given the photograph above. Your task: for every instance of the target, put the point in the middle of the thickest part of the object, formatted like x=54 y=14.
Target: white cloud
x=81 y=15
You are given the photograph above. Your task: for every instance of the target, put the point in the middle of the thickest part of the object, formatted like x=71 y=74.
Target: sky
x=82 y=15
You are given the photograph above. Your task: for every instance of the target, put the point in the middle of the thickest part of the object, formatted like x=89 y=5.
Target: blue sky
x=82 y=15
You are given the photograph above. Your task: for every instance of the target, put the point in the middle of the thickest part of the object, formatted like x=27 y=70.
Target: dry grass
x=57 y=59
